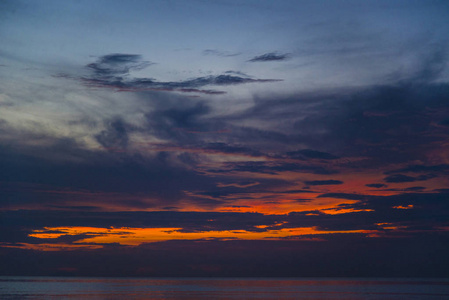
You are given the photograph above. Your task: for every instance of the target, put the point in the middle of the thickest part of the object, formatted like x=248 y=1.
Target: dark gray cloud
x=376 y=185
x=426 y=206
x=217 y=80
x=95 y=178
x=433 y=64
x=342 y=124
x=179 y=120
x=272 y=56
x=220 y=53
x=297 y=191
x=241 y=74
x=399 y=178
x=381 y=119
x=118 y=64
x=187 y=86
x=412 y=212
x=112 y=71
x=232 y=149
x=342 y=196
x=115 y=135
x=442 y=168
x=414 y=189
x=189 y=221
x=424 y=210
x=272 y=168
x=323 y=182
x=229 y=191
x=309 y=153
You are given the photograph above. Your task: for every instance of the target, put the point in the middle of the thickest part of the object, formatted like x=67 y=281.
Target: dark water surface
x=220 y=288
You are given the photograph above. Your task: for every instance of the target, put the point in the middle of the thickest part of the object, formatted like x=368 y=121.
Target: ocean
x=221 y=288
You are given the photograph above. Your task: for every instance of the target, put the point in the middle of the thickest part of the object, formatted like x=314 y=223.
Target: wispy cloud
x=118 y=64
x=220 y=53
x=323 y=182
x=112 y=71
x=114 y=136
x=310 y=154
x=272 y=56
x=376 y=185
x=398 y=178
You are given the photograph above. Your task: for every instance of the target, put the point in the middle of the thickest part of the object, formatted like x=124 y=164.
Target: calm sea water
x=229 y=288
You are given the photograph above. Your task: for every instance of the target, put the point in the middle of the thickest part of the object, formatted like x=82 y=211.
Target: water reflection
x=220 y=288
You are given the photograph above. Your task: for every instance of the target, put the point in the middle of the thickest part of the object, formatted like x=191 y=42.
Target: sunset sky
x=224 y=138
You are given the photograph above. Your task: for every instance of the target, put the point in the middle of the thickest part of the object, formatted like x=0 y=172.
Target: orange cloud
x=138 y=236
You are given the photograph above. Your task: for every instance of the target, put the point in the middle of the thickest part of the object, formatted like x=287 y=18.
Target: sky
x=224 y=138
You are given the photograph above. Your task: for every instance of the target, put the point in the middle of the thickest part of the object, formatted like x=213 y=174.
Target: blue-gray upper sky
x=307 y=46
x=305 y=121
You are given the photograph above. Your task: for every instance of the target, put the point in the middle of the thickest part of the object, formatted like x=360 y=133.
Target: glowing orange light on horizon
x=138 y=236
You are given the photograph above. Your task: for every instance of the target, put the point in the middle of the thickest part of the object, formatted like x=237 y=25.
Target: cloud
x=425 y=207
x=442 y=168
x=309 y=153
x=115 y=135
x=433 y=65
x=272 y=56
x=112 y=71
x=399 y=178
x=323 y=182
x=218 y=80
x=220 y=53
x=187 y=86
x=232 y=149
x=415 y=188
x=342 y=196
x=272 y=168
x=405 y=214
x=386 y=116
x=376 y=185
x=176 y=121
x=297 y=191
x=96 y=178
x=241 y=74
x=118 y=64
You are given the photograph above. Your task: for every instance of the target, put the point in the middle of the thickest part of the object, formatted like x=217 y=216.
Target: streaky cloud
x=323 y=182
x=399 y=178
x=376 y=185
x=220 y=53
x=272 y=168
x=342 y=196
x=112 y=71
x=310 y=154
x=272 y=56
x=118 y=64
x=443 y=168
x=115 y=135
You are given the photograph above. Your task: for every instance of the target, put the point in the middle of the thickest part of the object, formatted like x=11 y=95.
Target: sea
x=221 y=288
